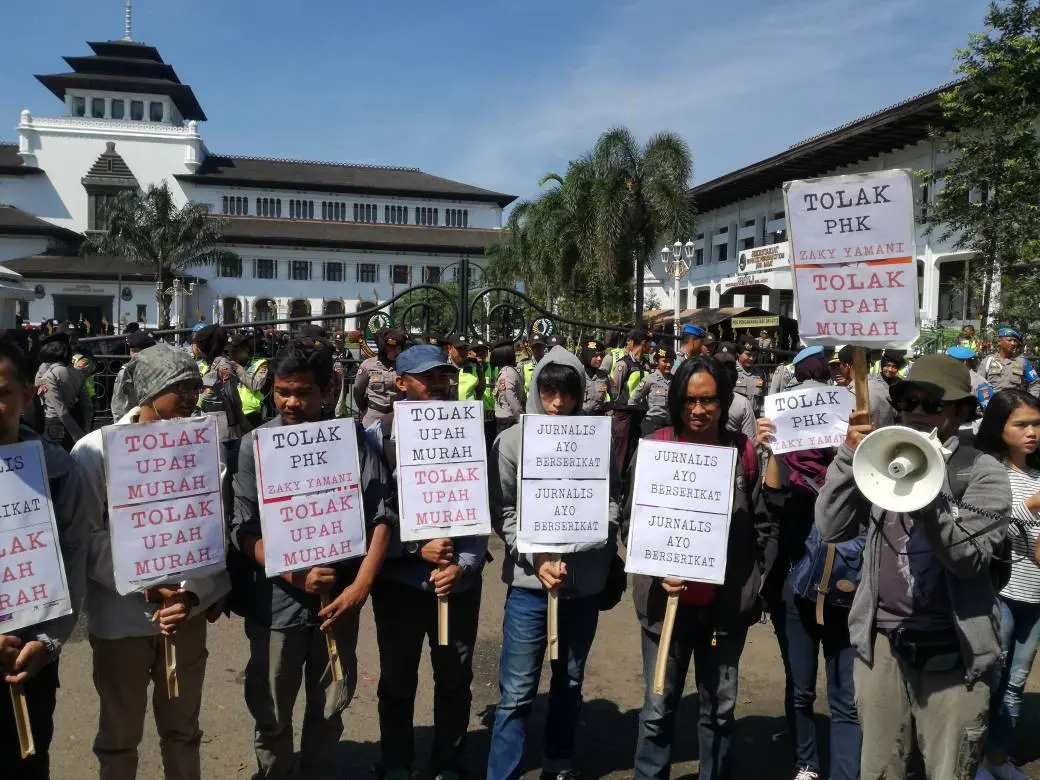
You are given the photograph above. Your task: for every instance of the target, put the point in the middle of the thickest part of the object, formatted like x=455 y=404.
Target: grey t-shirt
x=912 y=590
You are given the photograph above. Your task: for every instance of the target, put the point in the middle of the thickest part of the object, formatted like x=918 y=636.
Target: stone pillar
x=283 y=311
x=317 y=308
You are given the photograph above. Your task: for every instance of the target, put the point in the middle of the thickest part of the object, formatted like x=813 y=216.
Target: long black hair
x=677 y=391
x=990 y=438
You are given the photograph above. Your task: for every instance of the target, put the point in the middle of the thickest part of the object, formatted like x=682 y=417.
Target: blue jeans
x=715 y=669
x=1020 y=637
x=524 y=637
x=803 y=637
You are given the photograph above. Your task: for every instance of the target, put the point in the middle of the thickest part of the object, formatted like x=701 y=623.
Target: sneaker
x=564 y=774
x=1005 y=771
x=807 y=773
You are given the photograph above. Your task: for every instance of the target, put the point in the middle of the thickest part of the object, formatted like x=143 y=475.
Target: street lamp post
x=676 y=261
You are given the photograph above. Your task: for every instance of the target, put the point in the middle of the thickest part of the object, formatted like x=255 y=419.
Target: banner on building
x=33 y=585
x=442 y=474
x=165 y=514
x=564 y=492
x=681 y=508
x=308 y=483
x=854 y=260
x=754 y=322
x=808 y=418
x=764 y=258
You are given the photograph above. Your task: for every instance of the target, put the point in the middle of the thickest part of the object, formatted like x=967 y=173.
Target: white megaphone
x=899 y=469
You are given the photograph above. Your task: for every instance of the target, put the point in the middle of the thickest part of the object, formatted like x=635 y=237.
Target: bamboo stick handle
x=661 y=664
x=442 y=621
x=26 y=745
x=330 y=643
x=173 y=687
x=859 y=367
x=553 y=618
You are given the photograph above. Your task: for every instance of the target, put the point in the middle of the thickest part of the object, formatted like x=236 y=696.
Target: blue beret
x=1009 y=332
x=808 y=352
x=961 y=353
x=693 y=330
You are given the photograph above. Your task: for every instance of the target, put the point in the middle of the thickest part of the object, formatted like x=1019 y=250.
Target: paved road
x=613 y=694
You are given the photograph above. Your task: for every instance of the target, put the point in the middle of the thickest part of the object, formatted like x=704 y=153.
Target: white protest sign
x=808 y=418
x=442 y=475
x=33 y=587
x=855 y=272
x=307 y=479
x=564 y=482
x=165 y=514
x=681 y=507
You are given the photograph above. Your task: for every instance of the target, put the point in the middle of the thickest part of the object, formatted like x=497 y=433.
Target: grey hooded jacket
x=586 y=568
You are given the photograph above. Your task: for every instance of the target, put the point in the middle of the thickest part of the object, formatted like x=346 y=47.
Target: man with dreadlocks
x=375 y=387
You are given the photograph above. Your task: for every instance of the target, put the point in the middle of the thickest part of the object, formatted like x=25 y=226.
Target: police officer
x=471 y=375
x=597 y=399
x=375 y=387
x=980 y=388
x=748 y=385
x=1003 y=370
x=538 y=347
x=692 y=342
x=252 y=379
x=653 y=392
x=892 y=366
x=509 y=395
x=625 y=377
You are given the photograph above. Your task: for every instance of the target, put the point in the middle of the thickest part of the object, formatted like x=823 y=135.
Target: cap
x=537 y=338
x=390 y=337
x=806 y=353
x=693 y=330
x=557 y=341
x=727 y=346
x=665 y=352
x=940 y=373
x=140 y=339
x=420 y=359
x=593 y=345
x=746 y=346
x=961 y=353
x=478 y=344
x=1009 y=332
x=435 y=340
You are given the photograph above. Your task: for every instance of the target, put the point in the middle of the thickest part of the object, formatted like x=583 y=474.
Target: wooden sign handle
x=661 y=665
x=553 y=618
x=330 y=643
x=442 y=621
x=859 y=366
x=26 y=745
x=173 y=687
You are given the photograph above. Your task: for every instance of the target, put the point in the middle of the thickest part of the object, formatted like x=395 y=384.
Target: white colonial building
x=742 y=257
x=313 y=238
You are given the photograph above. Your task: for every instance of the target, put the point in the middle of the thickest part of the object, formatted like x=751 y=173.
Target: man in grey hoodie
x=925 y=618
x=557 y=388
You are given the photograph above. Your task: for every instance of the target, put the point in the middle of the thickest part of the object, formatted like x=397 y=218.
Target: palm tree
x=150 y=230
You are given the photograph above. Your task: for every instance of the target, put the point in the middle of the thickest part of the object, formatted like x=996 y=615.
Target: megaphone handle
x=859 y=368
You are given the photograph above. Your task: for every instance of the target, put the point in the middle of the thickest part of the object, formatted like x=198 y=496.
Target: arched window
x=301 y=307
x=324 y=210
x=310 y=209
x=465 y=218
x=436 y=216
x=356 y=213
x=223 y=203
x=278 y=207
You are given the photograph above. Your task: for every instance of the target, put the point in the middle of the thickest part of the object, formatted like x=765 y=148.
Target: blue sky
x=496 y=93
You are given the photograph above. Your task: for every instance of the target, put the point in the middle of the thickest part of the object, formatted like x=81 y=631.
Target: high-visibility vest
x=490 y=380
x=252 y=400
x=203 y=370
x=527 y=371
x=87 y=367
x=468 y=381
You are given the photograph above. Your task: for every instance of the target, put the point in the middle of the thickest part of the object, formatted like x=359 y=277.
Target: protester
x=652 y=392
x=597 y=398
x=925 y=615
x=29 y=657
x=1010 y=432
x=712 y=622
x=625 y=377
x=374 y=388
x=1005 y=369
x=579 y=578
x=284 y=622
x=67 y=408
x=510 y=397
x=126 y=632
x=404 y=602
x=882 y=412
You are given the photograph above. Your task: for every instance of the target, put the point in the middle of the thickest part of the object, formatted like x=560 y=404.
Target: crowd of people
x=928 y=620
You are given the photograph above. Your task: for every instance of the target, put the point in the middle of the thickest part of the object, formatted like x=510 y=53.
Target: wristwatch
x=411 y=549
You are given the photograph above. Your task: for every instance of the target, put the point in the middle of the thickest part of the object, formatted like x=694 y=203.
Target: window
x=118 y=108
x=749 y=223
x=778 y=215
x=23 y=310
x=137 y=110
x=366 y=212
x=726 y=300
x=333 y=272
x=237 y=206
x=703 y=299
x=367 y=272
x=231 y=268
x=265 y=268
x=432 y=274
x=101 y=201
x=333 y=211
x=386 y=215
x=224 y=204
x=395 y=215
x=456 y=217
x=748 y=243
x=684 y=300
x=924 y=202
x=301 y=209
x=300 y=270
x=97 y=108
x=700 y=236
x=155 y=111
x=142 y=312
x=753 y=301
x=373 y=213
x=427 y=216
x=723 y=253
x=400 y=274
x=698 y=257
x=79 y=106
x=785 y=306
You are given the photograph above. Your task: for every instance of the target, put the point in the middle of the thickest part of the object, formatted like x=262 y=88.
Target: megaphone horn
x=899 y=469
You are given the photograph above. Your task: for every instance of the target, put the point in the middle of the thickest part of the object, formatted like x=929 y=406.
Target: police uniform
x=597 y=396
x=510 y=399
x=375 y=386
x=1017 y=373
x=625 y=377
x=748 y=385
x=527 y=365
x=689 y=331
x=653 y=392
x=980 y=388
x=783 y=378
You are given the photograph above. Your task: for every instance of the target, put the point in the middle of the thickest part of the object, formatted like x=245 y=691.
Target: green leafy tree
x=987 y=191
x=150 y=230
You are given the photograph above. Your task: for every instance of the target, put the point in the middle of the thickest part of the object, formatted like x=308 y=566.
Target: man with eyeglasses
x=1003 y=369
x=925 y=618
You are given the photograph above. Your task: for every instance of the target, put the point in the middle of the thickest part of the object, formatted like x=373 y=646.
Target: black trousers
x=405 y=617
x=41 y=693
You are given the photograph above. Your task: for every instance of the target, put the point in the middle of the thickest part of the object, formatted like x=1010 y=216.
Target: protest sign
x=808 y=418
x=310 y=497
x=442 y=474
x=683 y=497
x=33 y=586
x=855 y=272
x=165 y=513
x=564 y=482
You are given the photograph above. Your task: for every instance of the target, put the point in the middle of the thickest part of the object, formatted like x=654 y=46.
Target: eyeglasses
x=928 y=405
x=706 y=401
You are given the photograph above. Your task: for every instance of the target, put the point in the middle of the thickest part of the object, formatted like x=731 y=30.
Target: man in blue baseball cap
x=692 y=341
x=1004 y=369
x=980 y=387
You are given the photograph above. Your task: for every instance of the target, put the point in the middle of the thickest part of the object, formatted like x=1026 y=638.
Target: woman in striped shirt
x=1010 y=431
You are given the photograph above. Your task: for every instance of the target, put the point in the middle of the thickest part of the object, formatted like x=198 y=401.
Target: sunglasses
x=910 y=403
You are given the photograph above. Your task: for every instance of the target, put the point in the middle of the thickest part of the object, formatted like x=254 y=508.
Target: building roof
x=12 y=164
x=894 y=127
x=15 y=222
x=336 y=177
x=357 y=235
x=80 y=267
x=125 y=66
